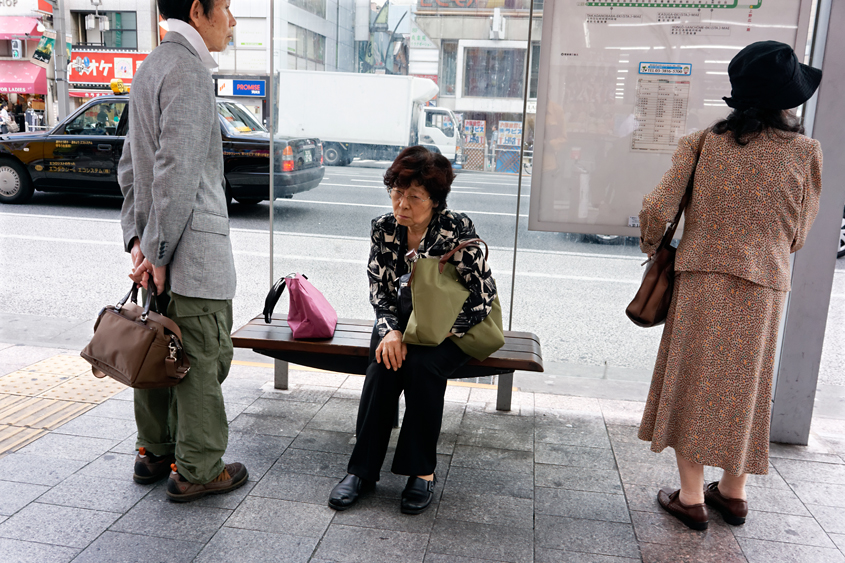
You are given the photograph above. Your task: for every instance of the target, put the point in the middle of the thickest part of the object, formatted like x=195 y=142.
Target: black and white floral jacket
x=389 y=244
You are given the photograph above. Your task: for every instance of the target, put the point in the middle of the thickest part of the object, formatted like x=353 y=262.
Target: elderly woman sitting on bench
x=418 y=183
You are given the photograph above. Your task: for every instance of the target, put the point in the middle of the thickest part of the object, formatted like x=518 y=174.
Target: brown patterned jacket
x=751 y=205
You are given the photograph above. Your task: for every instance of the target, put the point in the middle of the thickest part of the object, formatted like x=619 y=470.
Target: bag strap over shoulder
x=673 y=226
x=471 y=242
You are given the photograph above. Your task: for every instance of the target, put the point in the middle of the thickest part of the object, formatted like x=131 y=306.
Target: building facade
x=478 y=49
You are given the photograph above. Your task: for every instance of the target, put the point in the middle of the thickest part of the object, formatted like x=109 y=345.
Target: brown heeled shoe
x=733 y=510
x=692 y=515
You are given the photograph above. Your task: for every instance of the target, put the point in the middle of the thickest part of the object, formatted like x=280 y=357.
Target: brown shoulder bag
x=650 y=305
x=136 y=346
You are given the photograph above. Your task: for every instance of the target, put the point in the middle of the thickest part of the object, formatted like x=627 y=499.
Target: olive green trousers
x=190 y=419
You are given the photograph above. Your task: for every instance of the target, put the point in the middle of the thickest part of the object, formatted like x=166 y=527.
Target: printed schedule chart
x=661 y=114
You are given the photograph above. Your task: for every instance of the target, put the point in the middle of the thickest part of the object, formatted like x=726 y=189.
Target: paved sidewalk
x=560 y=479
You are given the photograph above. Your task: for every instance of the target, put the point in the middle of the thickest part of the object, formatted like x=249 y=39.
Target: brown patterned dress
x=710 y=396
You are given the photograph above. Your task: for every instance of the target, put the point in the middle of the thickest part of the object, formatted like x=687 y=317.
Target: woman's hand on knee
x=391 y=350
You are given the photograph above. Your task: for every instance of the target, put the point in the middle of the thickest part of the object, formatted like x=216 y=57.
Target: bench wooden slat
x=352 y=340
x=359 y=325
x=282 y=337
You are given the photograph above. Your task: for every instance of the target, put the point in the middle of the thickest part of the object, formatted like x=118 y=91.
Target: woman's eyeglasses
x=396 y=194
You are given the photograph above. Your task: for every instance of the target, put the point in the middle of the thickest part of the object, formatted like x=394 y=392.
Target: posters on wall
x=510 y=134
x=620 y=83
x=476 y=132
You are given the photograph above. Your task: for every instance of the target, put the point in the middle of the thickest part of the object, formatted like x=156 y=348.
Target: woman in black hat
x=756 y=193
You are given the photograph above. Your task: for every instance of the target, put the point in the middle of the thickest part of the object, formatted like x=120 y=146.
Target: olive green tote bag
x=438 y=294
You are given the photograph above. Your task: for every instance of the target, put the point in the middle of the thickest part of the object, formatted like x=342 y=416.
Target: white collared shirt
x=193 y=36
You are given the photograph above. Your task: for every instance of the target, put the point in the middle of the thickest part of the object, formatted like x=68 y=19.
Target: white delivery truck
x=370 y=116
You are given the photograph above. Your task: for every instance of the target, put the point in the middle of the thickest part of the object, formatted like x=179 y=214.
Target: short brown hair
x=430 y=170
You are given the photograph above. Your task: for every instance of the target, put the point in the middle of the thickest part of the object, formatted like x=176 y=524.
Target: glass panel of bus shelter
x=572 y=289
x=361 y=81
x=397 y=74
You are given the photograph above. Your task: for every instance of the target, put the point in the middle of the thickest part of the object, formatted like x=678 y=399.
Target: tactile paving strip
x=31 y=383
x=45 y=395
x=16 y=437
x=62 y=364
x=85 y=388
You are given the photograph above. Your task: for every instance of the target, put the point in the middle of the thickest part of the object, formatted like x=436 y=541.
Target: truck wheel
x=15 y=185
x=248 y=200
x=333 y=155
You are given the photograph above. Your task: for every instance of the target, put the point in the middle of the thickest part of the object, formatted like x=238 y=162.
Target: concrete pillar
x=812 y=278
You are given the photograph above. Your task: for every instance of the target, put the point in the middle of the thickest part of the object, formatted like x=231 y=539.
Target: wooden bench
x=348 y=352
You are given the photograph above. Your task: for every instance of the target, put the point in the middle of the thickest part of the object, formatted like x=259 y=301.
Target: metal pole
x=521 y=154
x=270 y=126
x=60 y=60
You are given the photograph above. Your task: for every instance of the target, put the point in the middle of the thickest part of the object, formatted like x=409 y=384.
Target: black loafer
x=417 y=495
x=345 y=493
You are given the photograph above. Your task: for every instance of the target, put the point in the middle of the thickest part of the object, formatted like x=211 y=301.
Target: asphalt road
x=61 y=256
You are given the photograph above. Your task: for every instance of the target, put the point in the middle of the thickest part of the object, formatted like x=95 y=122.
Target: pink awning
x=17 y=27
x=22 y=77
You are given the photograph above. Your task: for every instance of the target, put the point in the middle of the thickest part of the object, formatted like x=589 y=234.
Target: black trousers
x=422 y=377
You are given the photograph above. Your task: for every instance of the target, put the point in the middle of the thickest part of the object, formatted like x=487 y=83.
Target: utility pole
x=60 y=58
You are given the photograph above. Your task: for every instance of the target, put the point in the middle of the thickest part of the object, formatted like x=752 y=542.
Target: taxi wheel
x=15 y=185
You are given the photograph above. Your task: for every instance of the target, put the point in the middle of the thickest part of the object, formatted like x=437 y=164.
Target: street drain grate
x=45 y=395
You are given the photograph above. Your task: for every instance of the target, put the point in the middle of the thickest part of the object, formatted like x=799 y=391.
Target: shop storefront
x=23 y=85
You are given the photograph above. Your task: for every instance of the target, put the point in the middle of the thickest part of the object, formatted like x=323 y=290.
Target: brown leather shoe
x=150 y=468
x=733 y=510
x=693 y=515
x=180 y=489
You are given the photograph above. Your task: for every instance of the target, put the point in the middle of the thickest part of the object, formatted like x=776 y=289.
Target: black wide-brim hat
x=768 y=75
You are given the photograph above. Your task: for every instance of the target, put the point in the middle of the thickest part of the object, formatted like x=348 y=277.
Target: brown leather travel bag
x=136 y=346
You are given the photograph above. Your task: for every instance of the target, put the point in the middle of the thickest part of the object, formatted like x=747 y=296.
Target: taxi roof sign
x=118 y=87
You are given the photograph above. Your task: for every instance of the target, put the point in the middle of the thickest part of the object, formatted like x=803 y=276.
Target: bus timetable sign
x=248 y=88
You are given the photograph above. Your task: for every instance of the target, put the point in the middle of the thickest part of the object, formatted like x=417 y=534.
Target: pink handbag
x=309 y=315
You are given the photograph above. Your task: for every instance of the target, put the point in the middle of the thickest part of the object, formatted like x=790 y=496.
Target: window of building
x=122 y=33
x=450 y=65
x=317 y=7
x=493 y=73
x=306 y=49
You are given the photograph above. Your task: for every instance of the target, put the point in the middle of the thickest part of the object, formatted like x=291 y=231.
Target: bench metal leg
x=281 y=375
x=504 y=392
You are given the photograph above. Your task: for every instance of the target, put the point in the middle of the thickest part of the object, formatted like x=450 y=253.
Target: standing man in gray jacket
x=176 y=227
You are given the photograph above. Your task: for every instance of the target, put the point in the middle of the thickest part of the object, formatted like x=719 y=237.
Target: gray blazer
x=171 y=173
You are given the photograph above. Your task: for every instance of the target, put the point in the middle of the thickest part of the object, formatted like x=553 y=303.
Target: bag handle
x=274 y=295
x=133 y=293
x=176 y=344
x=471 y=242
x=673 y=226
